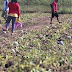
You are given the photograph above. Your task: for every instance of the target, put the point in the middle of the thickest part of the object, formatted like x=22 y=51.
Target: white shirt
x=5 y=7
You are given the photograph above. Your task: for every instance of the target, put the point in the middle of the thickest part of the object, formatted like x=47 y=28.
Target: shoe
x=12 y=33
x=4 y=29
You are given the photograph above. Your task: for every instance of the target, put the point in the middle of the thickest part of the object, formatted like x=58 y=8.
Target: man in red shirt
x=54 y=8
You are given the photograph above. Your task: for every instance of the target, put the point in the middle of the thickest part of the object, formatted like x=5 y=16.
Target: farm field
x=64 y=6
x=38 y=46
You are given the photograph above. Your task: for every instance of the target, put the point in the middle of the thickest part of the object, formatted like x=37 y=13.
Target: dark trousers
x=54 y=14
x=9 y=18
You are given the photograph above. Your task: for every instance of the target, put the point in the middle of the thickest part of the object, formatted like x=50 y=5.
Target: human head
x=56 y=0
x=13 y=1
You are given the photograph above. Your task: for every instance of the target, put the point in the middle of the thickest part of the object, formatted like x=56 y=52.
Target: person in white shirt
x=5 y=10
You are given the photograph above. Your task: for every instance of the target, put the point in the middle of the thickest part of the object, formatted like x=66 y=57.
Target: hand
x=18 y=16
x=55 y=11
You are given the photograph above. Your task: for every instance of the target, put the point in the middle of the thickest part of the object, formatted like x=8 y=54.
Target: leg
x=57 y=19
x=5 y=18
x=52 y=17
x=56 y=14
x=8 y=21
x=4 y=15
x=51 y=20
x=13 y=23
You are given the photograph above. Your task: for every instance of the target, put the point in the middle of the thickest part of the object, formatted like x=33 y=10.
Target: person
x=5 y=10
x=14 y=12
x=54 y=9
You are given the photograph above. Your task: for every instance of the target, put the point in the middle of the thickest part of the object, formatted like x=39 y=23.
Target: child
x=5 y=10
x=14 y=12
x=18 y=24
x=54 y=8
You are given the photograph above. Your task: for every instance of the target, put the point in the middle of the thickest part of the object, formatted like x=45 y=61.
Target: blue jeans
x=9 y=18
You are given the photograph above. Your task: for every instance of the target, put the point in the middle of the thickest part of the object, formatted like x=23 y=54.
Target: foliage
x=39 y=51
x=65 y=6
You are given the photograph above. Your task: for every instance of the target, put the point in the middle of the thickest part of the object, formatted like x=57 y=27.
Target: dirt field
x=38 y=24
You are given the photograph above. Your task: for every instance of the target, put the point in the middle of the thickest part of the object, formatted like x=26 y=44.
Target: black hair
x=12 y=1
x=56 y=0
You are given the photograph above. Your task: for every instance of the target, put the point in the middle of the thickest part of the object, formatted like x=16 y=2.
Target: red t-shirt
x=14 y=8
x=55 y=6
